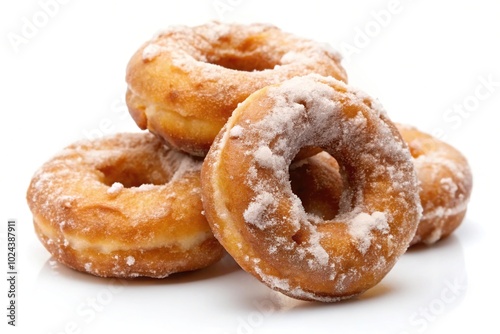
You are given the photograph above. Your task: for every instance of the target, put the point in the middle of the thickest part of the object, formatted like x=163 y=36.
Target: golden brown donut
x=122 y=206
x=184 y=83
x=444 y=176
x=258 y=219
x=445 y=184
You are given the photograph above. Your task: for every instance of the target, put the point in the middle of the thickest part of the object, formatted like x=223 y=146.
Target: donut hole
x=299 y=237
x=133 y=175
x=317 y=182
x=248 y=55
x=248 y=63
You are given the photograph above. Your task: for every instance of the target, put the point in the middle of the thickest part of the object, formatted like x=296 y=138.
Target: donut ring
x=444 y=175
x=254 y=214
x=122 y=206
x=445 y=184
x=184 y=84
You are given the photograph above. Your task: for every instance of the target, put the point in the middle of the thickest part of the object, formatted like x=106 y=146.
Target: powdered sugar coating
x=84 y=163
x=211 y=42
x=185 y=82
x=361 y=226
x=115 y=188
x=103 y=206
x=130 y=260
x=445 y=187
x=298 y=253
x=151 y=51
x=255 y=213
x=236 y=131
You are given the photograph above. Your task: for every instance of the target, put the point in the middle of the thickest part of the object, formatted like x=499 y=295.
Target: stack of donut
x=256 y=146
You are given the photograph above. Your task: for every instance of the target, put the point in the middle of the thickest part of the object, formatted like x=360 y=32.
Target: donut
x=122 y=206
x=445 y=184
x=443 y=172
x=255 y=215
x=185 y=82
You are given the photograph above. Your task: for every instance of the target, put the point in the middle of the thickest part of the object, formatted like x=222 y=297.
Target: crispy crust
x=445 y=184
x=122 y=206
x=264 y=227
x=444 y=176
x=184 y=84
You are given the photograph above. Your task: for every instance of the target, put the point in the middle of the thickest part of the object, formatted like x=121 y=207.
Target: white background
x=425 y=61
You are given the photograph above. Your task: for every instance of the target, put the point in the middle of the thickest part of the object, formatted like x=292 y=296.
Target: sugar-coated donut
x=444 y=176
x=184 y=83
x=445 y=184
x=122 y=206
x=258 y=219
